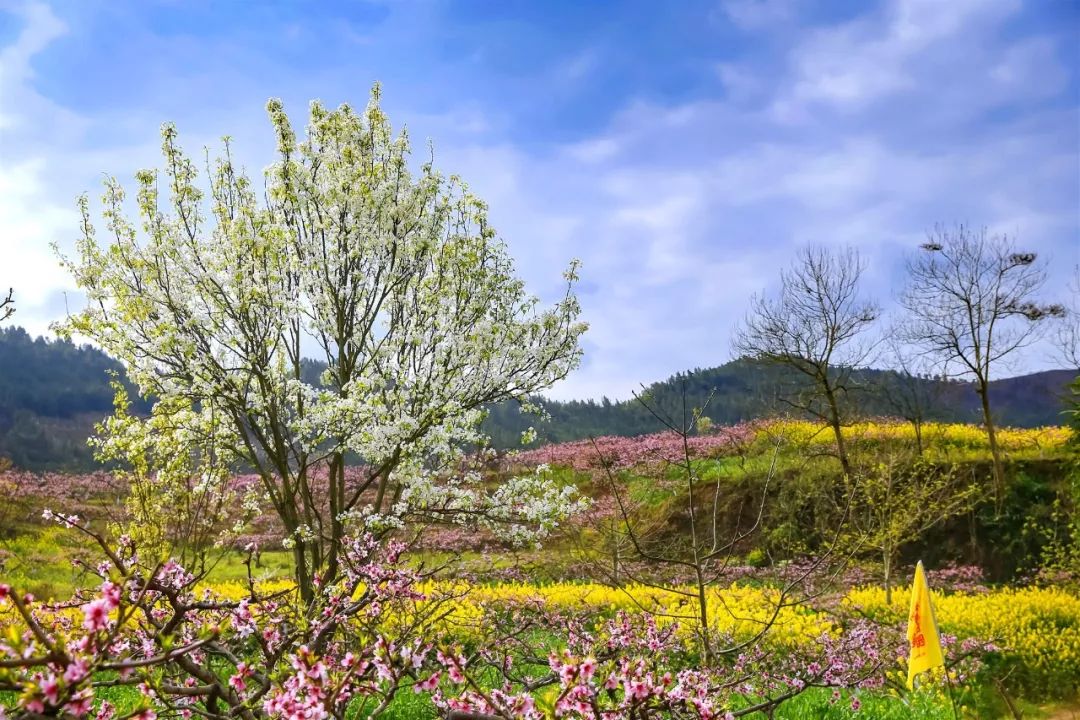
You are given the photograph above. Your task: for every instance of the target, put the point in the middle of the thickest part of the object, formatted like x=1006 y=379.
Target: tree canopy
x=393 y=278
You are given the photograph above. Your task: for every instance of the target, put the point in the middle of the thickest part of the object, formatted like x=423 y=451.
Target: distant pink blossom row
x=61 y=486
x=620 y=453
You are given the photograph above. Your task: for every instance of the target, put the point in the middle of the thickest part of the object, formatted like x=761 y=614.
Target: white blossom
x=392 y=278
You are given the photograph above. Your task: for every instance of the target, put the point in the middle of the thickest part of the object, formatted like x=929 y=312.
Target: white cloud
x=578 y=66
x=1029 y=68
x=40 y=27
x=740 y=83
x=30 y=219
x=681 y=212
x=29 y=263
x=867 y=133
x=594 y=150
x=851 y=66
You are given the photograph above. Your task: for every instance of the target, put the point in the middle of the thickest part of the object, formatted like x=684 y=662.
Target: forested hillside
x=53 y=391
x=743 y=390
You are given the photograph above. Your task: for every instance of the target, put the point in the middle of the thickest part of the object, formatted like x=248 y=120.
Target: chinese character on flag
x=922 y=630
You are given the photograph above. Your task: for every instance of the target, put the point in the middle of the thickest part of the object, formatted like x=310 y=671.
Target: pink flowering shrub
x=372 y=634
x=190 y=652
x=958 y=578
x=88 y=495
x=631 y=667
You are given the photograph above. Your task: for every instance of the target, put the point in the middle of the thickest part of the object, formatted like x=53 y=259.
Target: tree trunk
x=834 y=421
x=887 y=562
x=303 y=573
x=703 y=614
x=841 y=449
x=301 y=562
x=615 y=560
x=991 y=436
x=336 y=490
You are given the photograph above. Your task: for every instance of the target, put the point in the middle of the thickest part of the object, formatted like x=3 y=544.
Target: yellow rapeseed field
x=1039 y=626
x=941 y=437
x=739 y=611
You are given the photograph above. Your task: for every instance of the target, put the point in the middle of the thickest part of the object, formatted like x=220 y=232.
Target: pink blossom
x=96 y=614
x=76 y=671
x=50 y=688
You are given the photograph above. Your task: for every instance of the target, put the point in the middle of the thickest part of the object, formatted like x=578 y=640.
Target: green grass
x=815 y=704
x=408 y=705
x=40 y=560
x=231 y=567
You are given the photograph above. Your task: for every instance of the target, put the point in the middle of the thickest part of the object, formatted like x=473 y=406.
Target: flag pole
x=952 y=697
x=925 y=651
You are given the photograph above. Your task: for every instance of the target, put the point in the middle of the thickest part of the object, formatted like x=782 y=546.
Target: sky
x=682 y=151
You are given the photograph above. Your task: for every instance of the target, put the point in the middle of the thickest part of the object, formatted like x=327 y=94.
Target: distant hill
x=52 y=392
x=744 y=390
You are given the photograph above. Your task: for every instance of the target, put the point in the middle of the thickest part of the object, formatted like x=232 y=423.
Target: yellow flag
x=922 y=632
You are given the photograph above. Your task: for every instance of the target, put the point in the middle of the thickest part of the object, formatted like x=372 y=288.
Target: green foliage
x=756 y=558
x=1034 y=527
x=824 y=705
x=1057 y=531
x=897 y=499
x=973 y=701
x=51 y=394
x=1072 y=410
x=41 y=562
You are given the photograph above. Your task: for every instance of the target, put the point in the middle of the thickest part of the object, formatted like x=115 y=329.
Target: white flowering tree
x=390 y=275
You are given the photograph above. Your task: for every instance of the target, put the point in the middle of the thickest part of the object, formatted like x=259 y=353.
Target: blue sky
x=681 y=150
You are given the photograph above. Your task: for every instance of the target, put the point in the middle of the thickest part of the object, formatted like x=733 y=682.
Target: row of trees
x=969 y=304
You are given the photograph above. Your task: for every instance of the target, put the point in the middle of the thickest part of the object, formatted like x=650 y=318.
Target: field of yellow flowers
x=942 y=438
x=1037 y=629
x=738 y=612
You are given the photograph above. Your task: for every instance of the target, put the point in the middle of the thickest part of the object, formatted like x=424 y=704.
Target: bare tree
x=815 y=326
x=971 y=305
x=911 y=390
x=7 y=305
x=704 y=553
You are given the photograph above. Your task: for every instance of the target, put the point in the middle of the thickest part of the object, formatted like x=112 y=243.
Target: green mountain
x=52 y=392
x=744 y=390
